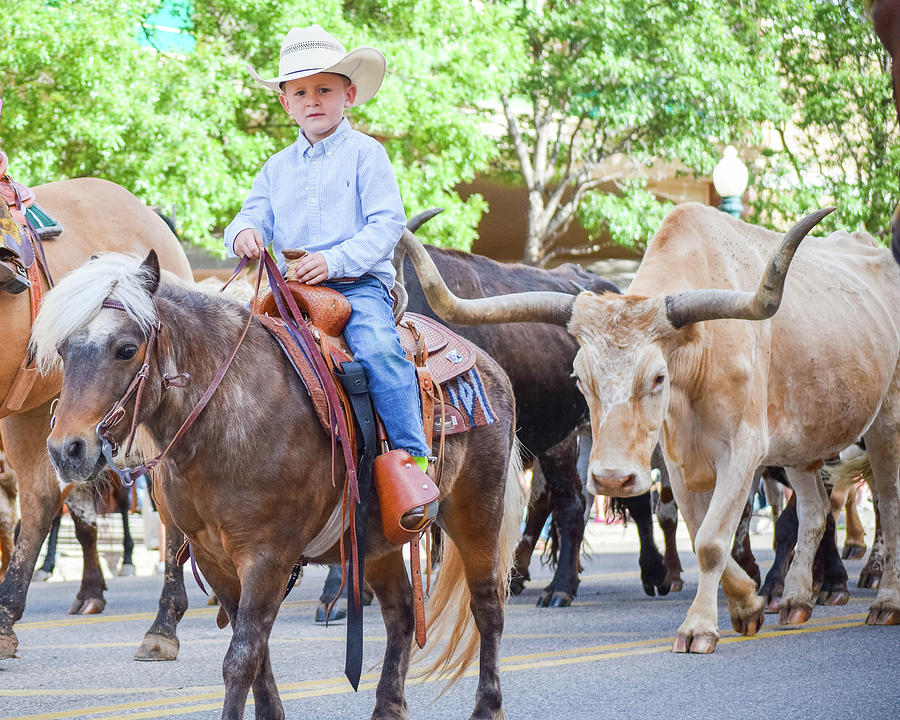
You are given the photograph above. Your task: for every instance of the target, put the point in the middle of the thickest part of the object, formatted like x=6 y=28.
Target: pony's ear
x=151 y=267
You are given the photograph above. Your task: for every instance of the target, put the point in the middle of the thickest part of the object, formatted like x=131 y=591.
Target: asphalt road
x=607 y=656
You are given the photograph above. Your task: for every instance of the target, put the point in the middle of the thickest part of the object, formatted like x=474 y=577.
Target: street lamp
x=730 y=181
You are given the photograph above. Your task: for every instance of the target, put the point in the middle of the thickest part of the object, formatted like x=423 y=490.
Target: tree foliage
x=547 y=92
x=83 y=97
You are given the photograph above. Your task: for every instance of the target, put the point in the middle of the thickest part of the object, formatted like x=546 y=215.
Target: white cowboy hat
x=307 y=51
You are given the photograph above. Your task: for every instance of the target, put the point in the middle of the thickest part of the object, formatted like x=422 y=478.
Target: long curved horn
x=698 y=305
x=547 y=307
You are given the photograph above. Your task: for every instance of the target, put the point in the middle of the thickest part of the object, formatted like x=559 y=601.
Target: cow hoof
x=155 y=648
x=126 y=570
x=90 y=606
x=212 y=599
x=544 y=599
x=833 y=597
x=560 y=599
x=773 y=604
x=883 y=617
x=702 y=644
x=749 y=625
x=869 y=580
x=853 y=551
x=792 y=614
x=8 y=645
x=676 y=584
x=516 y=585
x=336 y=613
x=40 y=576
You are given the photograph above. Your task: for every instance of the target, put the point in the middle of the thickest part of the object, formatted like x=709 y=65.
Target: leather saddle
x=439 y=354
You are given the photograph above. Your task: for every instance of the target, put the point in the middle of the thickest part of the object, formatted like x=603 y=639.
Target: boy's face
x=317 y=103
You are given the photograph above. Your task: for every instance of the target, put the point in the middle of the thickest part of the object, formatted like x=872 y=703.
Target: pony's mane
x=76 y=299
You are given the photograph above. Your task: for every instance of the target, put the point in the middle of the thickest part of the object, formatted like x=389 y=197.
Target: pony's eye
x=126 y=352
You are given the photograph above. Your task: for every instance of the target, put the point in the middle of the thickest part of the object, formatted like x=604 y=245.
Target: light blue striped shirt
x=338 y=196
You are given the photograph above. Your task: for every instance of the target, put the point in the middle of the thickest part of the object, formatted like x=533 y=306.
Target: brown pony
x=95 y=215
x=254 y=485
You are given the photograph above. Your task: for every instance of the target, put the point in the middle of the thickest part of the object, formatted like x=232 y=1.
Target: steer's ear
x=150 y=267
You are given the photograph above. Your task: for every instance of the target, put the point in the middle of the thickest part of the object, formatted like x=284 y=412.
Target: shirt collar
x=329 y=144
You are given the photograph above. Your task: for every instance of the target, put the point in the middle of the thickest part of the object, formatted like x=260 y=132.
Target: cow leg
x=785 y=539
x=855 y=542
x=539 y=508
x=667 y=517
x=89 y=600
x=740 y=549
x=812 y=506
x=653 y=570
x=23 y=436
x=49 y=565
x=569 y=505
x=829 y=574
x=870 y=575
x=882 y=445
x=388 y=579
x=712 y=519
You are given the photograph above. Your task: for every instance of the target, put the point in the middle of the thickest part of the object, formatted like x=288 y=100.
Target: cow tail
x=450 y=625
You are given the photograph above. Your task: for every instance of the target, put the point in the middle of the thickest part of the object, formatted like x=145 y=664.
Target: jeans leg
x=373 y=338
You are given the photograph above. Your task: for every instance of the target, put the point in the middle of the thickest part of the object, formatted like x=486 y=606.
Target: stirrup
x=419 y=518
x=12 y=281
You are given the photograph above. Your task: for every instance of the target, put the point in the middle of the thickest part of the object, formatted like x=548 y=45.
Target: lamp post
x=730 y=181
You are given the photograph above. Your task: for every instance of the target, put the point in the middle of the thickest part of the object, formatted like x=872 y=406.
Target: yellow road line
x=199 y=699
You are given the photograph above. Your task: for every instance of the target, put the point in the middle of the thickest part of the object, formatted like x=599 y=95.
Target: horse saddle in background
x=453 y=396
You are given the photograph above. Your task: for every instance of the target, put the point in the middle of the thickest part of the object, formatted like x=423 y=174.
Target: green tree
x=840 y=144
x=638 y=81
x=82 y=96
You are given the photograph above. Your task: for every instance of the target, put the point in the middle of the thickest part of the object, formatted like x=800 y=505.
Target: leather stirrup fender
x=401 y=486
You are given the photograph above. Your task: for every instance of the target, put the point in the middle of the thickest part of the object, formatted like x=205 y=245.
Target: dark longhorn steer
x=538 y=360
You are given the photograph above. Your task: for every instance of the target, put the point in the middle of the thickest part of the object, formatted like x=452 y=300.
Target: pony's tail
x=449 y=618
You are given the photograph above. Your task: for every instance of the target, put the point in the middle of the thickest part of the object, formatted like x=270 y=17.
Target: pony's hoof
x=794 y=614
x=883 y=617
x=8 y=645
x=853 y=551
x=157 y=647
x=126 y=570
x=702 y=644
x=40 y=576
x=560 y=599
x=749 y=625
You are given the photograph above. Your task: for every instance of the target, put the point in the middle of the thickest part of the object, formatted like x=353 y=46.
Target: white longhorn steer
x=731 y=395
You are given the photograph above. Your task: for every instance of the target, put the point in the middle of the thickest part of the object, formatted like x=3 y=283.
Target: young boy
x=333 y=193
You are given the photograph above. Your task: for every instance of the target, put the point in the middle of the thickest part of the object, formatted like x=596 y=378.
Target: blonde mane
x=76 y=299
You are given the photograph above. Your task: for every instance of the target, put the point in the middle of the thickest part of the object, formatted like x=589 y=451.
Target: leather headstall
x=109 y=447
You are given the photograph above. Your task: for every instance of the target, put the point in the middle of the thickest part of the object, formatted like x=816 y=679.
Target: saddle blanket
x=44 y=225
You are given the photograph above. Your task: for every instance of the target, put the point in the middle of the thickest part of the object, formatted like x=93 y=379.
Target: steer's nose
x=69 y=454
x=616 y=482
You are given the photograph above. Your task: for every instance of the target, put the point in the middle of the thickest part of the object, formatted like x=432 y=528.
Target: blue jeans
x=373 y=339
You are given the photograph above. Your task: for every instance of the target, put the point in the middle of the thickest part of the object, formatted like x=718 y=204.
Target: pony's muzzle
x=73 y=457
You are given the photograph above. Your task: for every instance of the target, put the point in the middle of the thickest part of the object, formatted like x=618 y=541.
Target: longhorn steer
x=729 y=396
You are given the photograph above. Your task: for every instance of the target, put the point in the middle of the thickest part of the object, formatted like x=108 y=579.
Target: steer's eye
x=126 y=352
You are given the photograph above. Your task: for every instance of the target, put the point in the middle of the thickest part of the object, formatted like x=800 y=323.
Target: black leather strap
x=353 y=379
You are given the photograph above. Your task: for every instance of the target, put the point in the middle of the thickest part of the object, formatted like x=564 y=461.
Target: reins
x=109 y=447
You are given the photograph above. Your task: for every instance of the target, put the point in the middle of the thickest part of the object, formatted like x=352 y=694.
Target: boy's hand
x=248 y=243
x=312 y=269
